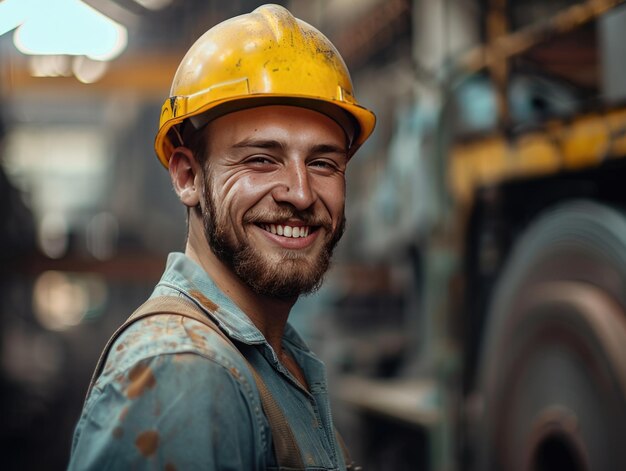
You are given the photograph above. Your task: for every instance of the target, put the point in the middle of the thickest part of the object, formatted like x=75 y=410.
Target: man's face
x=274 y=192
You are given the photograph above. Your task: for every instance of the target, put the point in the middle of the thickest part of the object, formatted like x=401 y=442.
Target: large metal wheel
x=553 y=367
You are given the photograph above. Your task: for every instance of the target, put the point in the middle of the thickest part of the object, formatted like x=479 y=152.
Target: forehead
x=290 y=124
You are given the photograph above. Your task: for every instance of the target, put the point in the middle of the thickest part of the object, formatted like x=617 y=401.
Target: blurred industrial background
x=475 y=316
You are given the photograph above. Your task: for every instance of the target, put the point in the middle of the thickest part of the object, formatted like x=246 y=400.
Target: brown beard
x=293 y=275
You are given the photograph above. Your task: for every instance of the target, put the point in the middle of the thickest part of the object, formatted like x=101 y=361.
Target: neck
x=268 y=314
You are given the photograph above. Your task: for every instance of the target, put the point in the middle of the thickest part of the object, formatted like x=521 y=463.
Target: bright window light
x=62 y=27
x=13 y=13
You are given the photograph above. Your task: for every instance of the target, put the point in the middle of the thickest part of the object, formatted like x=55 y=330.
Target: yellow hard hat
x=264 y=57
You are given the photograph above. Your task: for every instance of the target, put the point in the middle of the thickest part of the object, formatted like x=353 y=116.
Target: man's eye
x=323 y=164
x=259 y=160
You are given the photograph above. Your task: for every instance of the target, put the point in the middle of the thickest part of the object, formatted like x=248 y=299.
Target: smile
x=294 y=232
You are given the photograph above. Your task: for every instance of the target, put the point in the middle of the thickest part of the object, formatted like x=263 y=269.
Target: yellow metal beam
x=585 y=142
x=144 y=75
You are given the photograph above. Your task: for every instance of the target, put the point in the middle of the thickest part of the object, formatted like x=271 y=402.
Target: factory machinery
x=507 y=194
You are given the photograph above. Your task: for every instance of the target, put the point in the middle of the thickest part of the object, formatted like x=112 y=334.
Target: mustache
x=283 y=213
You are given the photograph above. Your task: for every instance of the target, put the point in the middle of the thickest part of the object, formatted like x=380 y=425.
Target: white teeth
x=287 y=231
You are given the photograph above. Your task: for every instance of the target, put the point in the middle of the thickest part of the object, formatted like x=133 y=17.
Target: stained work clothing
x=173 y=395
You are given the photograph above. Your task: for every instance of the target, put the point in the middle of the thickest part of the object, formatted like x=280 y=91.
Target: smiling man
x=208 y=374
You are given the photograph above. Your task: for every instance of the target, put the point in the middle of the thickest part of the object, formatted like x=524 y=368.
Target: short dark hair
x=196 y=141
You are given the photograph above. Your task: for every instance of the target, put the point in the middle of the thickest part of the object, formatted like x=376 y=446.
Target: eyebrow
x=259 y=143
x=275 y=144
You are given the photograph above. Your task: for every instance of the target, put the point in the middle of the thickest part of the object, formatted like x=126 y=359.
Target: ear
x=185 y=173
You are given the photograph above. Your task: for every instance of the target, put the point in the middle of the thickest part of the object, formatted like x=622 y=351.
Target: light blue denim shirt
x=174 y=396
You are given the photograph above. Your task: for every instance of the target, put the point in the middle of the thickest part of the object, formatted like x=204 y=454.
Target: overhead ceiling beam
x=146 y=75
x=522 y=40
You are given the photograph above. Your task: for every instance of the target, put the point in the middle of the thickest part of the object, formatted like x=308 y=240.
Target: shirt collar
x=186 y=276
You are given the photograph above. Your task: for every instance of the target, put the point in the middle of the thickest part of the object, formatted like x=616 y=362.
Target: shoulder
x=174 y=349
x=170 y=383
x=168 y=334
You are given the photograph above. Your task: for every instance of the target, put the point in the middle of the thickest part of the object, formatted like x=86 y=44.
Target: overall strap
x=285 y=447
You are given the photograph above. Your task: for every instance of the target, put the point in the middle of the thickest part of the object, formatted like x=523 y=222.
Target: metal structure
x=517 y=361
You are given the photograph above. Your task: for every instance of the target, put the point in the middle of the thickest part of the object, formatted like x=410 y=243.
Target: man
x=257 y=135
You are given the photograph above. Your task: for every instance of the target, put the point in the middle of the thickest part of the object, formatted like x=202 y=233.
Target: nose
x=294 y=187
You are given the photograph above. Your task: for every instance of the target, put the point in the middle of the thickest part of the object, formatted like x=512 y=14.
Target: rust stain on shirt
x=170 y=467
x=235 y=372
x=206 y=302
x=141 y=378
x=183 y=358
x=147 y=442
x=120 y=347
x=196 y=337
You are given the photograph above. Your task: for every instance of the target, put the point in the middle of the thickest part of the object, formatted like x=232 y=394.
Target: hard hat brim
x=357 y=121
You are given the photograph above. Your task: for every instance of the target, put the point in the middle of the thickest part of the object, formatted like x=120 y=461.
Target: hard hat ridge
x=278 y=19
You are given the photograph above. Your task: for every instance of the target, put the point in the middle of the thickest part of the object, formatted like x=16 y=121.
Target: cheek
x=253 y=185
x=239 y=195
x=333 y=196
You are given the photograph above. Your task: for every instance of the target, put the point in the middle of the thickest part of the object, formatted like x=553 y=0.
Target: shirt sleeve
x=173 y=412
